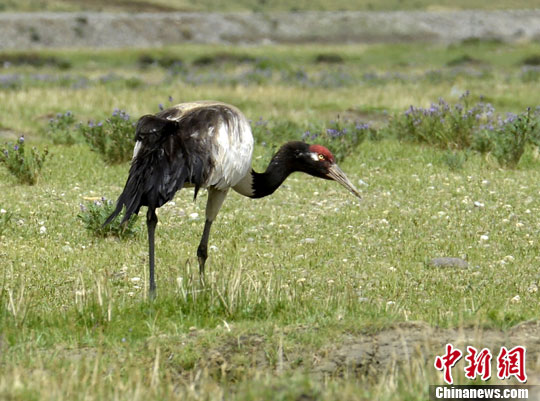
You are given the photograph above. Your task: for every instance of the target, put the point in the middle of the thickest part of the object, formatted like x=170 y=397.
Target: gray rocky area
x=114 y=30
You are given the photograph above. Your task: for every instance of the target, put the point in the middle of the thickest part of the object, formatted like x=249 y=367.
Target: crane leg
x=151 y=222
x=202 y=250
x=215 y=200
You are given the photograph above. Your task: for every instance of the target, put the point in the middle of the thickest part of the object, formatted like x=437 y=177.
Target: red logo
x=509 y=363
x=512 y=363
x=447 y=362
x=479 y=363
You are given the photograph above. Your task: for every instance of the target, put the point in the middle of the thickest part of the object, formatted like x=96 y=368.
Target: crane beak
x=336 y=174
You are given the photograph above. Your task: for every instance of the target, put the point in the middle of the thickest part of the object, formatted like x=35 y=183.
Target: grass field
x=292 y=277
x=259 y=5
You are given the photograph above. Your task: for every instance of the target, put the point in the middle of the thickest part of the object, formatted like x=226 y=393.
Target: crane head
x=318 y=161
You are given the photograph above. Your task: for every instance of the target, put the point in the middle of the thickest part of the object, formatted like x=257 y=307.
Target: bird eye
x=321 y=157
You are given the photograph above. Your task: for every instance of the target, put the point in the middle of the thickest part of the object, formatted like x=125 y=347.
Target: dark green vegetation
x=290 y=276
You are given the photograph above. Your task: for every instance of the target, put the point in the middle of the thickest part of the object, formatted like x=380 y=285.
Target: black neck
x=280 y=167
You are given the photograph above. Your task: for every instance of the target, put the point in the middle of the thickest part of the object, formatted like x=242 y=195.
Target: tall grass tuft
x=5 y=220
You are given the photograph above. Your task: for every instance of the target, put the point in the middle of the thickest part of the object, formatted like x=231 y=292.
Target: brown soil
x=369 y=354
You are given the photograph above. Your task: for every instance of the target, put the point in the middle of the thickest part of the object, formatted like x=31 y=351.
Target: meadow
x=290 y=278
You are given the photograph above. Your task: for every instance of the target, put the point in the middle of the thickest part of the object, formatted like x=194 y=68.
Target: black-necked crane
x=208 y=144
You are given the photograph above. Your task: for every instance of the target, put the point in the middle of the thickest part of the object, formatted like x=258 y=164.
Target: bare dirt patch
x=367 y=354
x=415 y=341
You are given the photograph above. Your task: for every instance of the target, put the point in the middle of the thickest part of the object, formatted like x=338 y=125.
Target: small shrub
x=442 y=125
x=61 y=129
x=330 y=58
x=464 y=127
x=533 y=59
x=23 y=164
x=94 y=214
x=534 y=137
x=112 y=139
x=464 y=59
x=511 y=137
x=482 y=141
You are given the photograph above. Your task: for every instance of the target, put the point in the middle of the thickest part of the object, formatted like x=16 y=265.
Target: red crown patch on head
x=319 y=149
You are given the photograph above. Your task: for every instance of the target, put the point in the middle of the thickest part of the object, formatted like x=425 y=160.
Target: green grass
x=291 y=275
x=260 y=6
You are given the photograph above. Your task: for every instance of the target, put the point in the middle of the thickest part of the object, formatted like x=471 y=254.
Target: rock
x=449 y=262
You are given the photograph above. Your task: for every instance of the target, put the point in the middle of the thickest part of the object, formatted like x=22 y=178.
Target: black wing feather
x=167 y=159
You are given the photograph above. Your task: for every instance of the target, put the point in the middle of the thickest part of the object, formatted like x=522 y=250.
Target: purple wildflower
x=433 y=109
x=260 y=121
x=510 y=118
x=16 y=147
x=21 y=139
x=489 y=110
x=160 y=106
x=409 y=111
x=362 y=126
x=170 y=99
x=100 y=124
x=333 y=133
x=306 y=135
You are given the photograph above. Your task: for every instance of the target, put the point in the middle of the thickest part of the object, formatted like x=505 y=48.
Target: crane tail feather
x=158 y=170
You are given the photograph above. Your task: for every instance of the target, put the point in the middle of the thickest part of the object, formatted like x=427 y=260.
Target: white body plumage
x=229 y=142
